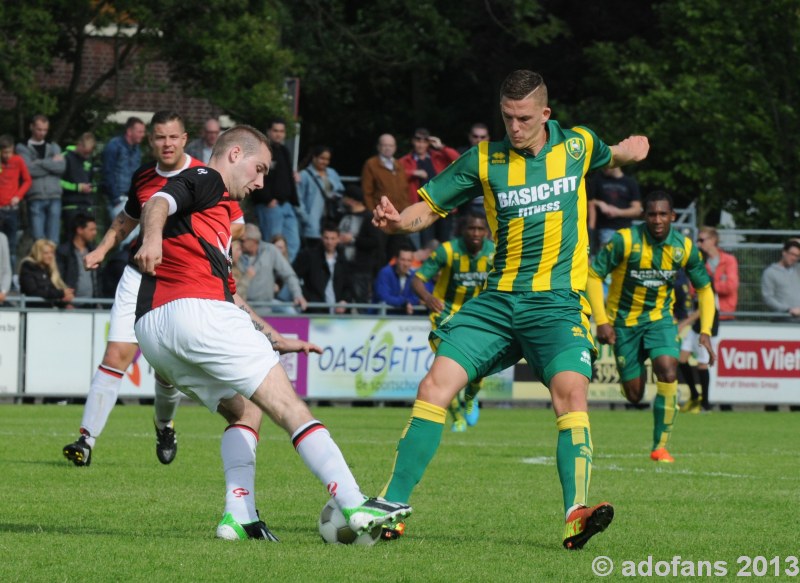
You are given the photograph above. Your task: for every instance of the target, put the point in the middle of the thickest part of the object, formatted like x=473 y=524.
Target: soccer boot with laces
x=230 y=529
x=375 y=512
x=166 y=444
x=583 y=523
x=661 y=455
x=459 y=426
x=79 y=452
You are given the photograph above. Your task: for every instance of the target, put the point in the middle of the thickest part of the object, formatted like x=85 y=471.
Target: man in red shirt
x=427 y=158
x=15 y=180
x=167 y=138
x=203 y=338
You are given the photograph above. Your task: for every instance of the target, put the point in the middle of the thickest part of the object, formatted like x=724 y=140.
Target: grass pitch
x=489 y=508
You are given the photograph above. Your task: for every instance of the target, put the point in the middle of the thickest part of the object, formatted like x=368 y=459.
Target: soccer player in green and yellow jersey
x=533 y=184
x=637 y=319
x=462 y=265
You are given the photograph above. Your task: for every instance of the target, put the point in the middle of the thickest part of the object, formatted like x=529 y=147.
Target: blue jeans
x=280 y=220
x=9 y=223
x=45 y=216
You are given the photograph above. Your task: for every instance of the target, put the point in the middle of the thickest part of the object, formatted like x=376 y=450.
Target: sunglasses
x=480 y=136
x=701 y=239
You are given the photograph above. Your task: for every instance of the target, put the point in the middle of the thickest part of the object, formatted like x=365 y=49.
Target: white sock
x=239 y=462
x=166 y=403
x=322 y=456
x=101 y=400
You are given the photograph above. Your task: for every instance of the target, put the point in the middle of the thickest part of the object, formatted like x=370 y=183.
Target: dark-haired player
x=637 y=320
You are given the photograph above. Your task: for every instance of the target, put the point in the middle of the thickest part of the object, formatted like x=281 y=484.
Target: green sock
x=415 y=450
x=665 y=408
x=574 y=458
x=472 y=389
x=455 y=409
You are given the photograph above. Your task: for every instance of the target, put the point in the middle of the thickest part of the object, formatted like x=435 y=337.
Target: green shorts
x=636 y=343
x=493 y=331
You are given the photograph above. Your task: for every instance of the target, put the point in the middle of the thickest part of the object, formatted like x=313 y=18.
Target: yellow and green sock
x=415 y=450
x=665 y=408
x=574 y=457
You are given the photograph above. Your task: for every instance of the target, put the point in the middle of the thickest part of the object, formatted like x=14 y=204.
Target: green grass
x=489 y=508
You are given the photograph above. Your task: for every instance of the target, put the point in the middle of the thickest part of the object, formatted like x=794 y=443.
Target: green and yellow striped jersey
x=535 y=205
x=643 y=273
x=461 y=276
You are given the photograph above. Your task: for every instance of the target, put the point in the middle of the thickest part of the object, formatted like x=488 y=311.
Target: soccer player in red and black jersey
x=167 y=138
x=204 y=339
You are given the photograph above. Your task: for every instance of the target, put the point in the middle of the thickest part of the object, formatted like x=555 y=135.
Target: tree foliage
x=717 y=95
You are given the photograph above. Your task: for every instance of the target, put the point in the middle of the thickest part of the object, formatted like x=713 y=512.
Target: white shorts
x=208 y=349
x=691 y=343
x=123 y=312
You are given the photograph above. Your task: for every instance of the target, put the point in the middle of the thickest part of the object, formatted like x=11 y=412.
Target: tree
x=225 y=50
x=717 y=95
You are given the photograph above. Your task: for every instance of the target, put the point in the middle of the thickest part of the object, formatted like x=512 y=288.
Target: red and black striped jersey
x=149 y=179
x=196 y=243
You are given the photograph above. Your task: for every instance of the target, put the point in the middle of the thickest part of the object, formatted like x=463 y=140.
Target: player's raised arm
x=414 y=218
x=630 y=150
x=119 y=230
x=154 y=217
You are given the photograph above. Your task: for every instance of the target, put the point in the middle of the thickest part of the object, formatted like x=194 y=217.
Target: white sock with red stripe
x=239 y=462
x=324 y=458
x=100 y=401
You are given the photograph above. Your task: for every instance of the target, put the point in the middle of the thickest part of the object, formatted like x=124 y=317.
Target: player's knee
x=666 y=374
x=634 y=391
x=119 y=355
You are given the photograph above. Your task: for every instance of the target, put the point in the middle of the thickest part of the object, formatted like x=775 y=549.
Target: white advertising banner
x=757 y=364
x=9 y=352
x=58 y=349
x=378 y=359
x=139 y=379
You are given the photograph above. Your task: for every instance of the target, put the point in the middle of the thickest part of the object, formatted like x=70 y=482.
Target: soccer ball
x=334 y=530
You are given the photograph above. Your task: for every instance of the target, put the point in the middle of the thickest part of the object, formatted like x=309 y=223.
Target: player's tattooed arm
x=279 y=343
x=120 y=228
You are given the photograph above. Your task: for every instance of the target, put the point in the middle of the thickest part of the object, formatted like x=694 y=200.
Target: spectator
x=325 y=273
x=393 y=284
x=780 y=282
x=479 y=132
x=242 y=279
x=76 y=183
x=723 y=269
x=121 y=158
x=275 y=203
x=614 y=201
x=15 y=180
x=5 y=268
x=428 y=157
x=263 y=263
x=282 y=291
x=382 y=175
x=39 y=277
x=320 y=192
x=69 y=257
x=46 y=165
x=201 y=147
x=363 y=243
